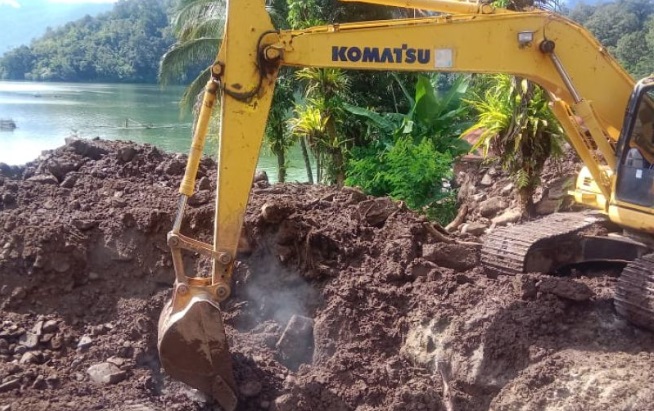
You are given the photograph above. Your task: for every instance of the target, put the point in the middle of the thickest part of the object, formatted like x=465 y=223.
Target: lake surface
x=47 y=113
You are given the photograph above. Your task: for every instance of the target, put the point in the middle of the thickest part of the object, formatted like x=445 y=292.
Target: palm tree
x=516 y=120
x=198 y=26
x=325 y=93
x=278 y=138
x=519 y=127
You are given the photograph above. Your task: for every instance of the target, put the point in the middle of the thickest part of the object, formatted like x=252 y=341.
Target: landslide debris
x=340 y=301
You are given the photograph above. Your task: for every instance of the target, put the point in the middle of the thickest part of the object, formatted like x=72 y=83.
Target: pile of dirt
x=489 y=198
x=341 y=302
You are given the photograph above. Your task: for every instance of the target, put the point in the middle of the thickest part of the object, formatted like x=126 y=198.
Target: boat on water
x=7 y=125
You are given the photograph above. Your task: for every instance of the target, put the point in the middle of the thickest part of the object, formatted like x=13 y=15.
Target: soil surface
x=340 y=301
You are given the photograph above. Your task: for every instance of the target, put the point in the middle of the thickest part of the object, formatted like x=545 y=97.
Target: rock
x=59 y=169
x=489 y=208
x=284 y=403
x=558 y=188
x=39 y=383
x=260 y=175
x=118 y=202
x=375 y=212
x=422 y=268
x=29 y=340
x=18 y=294
x=509 y=216
x=204 y=184
x=547 y=206
x=275 y=213
x=31 y=357
x=565 y=288
x=105 y=373
x=507 y=189
x=126 y=154
x=458 y=257
x=475 y=228
x=8 y=198
x=355 y=194
x=250 y=388
x=50 y=326
x=86 y=148
x=85 y=342
x=486 y=180
x=38 y=327
x=70 y=180
x=84 y=225
x=93 y=276
x=50 y=204
x=200 y=198
x=175 y=167
x=44 y=179
x=10 y=385
x=295 y=346
x=59 y=262
x=53 y=381
x=525 y=286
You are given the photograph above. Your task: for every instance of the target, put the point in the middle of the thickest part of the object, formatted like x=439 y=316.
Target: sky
x=23 y=20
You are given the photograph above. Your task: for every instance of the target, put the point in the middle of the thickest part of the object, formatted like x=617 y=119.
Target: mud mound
x=340 y=302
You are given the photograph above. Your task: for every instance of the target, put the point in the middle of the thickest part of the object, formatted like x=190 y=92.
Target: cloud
x=11 y=3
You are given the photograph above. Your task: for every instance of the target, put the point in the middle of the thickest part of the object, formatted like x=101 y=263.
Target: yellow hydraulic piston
x=192 y=343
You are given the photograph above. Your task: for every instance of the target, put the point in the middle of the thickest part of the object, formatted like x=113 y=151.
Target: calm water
x=47 y=113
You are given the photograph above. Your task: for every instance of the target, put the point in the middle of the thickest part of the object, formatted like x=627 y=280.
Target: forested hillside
x=123 y=45
x=126 y=44
x=625 y=28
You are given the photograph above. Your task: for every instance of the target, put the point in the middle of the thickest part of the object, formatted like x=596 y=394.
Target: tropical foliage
x=519 y=127
x=409 y=155
x=197 y=26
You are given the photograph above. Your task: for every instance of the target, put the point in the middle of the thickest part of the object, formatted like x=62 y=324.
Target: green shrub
x=405 y=171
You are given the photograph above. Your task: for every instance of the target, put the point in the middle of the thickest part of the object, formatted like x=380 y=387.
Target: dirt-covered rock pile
x=340 y=302
x=488 y=196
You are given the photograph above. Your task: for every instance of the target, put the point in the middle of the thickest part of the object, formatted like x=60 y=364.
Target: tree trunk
x=281 y=167
x=307 y=163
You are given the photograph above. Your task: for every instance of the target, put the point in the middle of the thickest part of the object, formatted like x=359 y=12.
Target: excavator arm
x=583 y=81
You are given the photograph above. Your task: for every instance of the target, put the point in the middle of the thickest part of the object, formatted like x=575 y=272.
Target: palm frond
x=175 y=62
x=190 y=12
x=193 y=91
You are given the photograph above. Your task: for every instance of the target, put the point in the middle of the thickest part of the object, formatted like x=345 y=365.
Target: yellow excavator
x=607 y=117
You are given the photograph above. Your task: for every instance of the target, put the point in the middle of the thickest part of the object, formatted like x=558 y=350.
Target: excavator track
x=536 y=246
x=634 y=294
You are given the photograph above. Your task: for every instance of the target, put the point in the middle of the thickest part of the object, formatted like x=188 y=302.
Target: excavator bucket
x=193 y=346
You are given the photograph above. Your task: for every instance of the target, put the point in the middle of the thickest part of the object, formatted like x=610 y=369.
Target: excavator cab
x=635 y=173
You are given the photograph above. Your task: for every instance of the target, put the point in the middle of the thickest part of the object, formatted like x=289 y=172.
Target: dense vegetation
x=625 y=28
x=124 y=45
